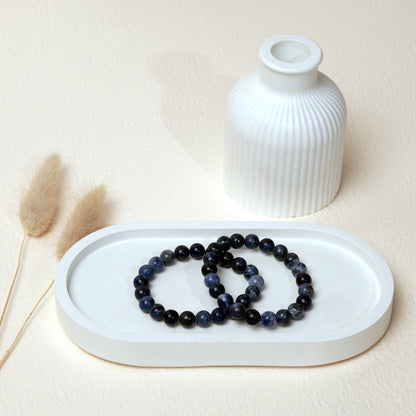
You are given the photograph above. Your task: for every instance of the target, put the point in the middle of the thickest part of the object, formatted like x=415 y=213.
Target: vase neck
x=290 y=63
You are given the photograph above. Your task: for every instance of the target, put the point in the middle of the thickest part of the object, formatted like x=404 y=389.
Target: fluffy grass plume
x=39 y=205
x=87 y=217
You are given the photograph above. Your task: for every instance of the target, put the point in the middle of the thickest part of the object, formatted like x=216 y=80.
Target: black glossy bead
x=253 y=317
x=252 y=241
x=171 y=317
x=187 y=319
x=226 y=260
x=253 y=292
x=208 y=268
x=279 y=252
x=216 y=290
x=211 y=258
x=236 y=311
x=197 y=251
x=215 y=248
x=239 y=265
x=250 y=271
x=181 y=253
x=236 y=241
x=140 y=280
x=303 y=278
x=219 y=316
x=224 y=242
x=290 y=260
x=168 y=257
x=141 y=292
x=304 y=301
x=283 y=317
x=266 y=245
x=244 y=299
x=157 y=312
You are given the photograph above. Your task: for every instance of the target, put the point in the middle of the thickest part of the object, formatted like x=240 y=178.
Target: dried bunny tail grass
x=87 y=217
x=39 y=205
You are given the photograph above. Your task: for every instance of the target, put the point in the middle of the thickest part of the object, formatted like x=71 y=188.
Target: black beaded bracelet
x=213 y=256
x=238 y=310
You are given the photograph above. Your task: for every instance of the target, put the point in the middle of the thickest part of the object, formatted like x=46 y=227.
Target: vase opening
x=290 y=51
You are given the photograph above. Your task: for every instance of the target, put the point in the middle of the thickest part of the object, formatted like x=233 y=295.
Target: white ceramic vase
x=285 y=132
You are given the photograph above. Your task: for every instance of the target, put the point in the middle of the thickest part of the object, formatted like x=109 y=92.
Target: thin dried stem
x=13 y=280
x=22 y=328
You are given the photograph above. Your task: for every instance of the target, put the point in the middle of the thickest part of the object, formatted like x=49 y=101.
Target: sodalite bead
x=253 y=292
x=171 y=317
x=304 y=301
x=253 y=317
x=303 y=278
x=236 y=241
x=239 y=265
x=168 y=257
x=283 y=317
x=224 y=242
x=211 y=258
x=251 y=241
x=157 y=311
x=147 y=271
x=187 y=319
x=141 y=292
x=225 y=301
x=226 y=260
x=211 y=279
x=157 y=264
x=268 y=319
x=299 y=268
x=208 y=268
x=266 y=245
x=216 y=290
x=250 y=270
x=236 y=311
x=197 y=251
x=306 y=290
x=140 y=281
x=215 y=248
x=146 y=303
x=182 y=253
x=296 y=311
x=290 y=260
x=256 y=280
x=203 y=319
x=219 y=316
x=244 y=299
x=279 y=252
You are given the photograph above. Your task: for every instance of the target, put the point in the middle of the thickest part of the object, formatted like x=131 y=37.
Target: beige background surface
x=133 y=94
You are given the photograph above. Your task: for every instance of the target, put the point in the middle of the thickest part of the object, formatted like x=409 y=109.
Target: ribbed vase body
x=284 y=150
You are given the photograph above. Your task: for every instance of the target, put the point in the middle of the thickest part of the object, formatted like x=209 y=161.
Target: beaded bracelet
x=213 y=256
x=282 y=317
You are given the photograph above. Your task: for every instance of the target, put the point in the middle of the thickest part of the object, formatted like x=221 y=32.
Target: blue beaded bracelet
x=213 y=256
x=238 y=310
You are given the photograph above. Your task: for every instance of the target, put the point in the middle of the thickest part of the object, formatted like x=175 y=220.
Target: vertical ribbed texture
x=284 y=151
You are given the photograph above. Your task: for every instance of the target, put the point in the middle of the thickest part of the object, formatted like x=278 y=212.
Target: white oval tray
x=97 y=308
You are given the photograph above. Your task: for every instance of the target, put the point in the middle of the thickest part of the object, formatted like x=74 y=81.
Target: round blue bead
x=219 y=316
x=252 y=241
x=225 y=301
x=268 y=319
x=253 y=292
x=157 y=264
x=296 y=311
x=147 y=271
x=266 y=245
x=197 y=251
x=203 y=319
x=146 y=303
x=306 y=290
x=211 y=279
x=256 y=280
x=283 y=317
x=211 y=258
x=298 y=269
x=250 y=270
x=237 y=311
x=157 y=311
x=141 y=292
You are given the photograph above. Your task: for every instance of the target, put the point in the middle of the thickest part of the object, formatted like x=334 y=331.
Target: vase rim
x=290 y=54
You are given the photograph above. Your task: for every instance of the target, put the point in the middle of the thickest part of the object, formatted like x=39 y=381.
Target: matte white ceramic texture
x=98 y=311
x=285 y=132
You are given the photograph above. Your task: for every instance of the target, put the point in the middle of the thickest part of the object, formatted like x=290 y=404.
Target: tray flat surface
x=96 y=304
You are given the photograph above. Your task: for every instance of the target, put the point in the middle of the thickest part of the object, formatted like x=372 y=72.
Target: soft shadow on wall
x=194 y=104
